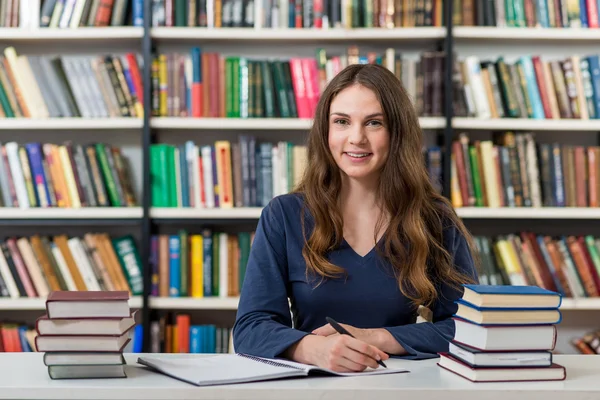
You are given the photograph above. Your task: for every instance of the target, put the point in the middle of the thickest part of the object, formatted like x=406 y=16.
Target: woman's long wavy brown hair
x=413 y=240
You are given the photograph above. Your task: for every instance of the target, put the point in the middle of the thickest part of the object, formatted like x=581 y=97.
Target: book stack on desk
x=505 y=333
x=83 y=334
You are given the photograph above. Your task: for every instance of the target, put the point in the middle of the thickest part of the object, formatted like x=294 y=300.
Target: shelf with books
x=79 y=34
x=580 y=304
x=70 y=123
x=299 y=35
x=528 y=212
x=527 y=124
x=37 y=303
x=257 y=123
x=193 y=303
x=173 y=213
x=525 y=34
x=87 y=213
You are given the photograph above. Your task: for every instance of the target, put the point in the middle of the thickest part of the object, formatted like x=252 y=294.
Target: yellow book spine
x=197 y=264
x=61 y=185
x=224 y=173
x=162 y=84
x=69 y=177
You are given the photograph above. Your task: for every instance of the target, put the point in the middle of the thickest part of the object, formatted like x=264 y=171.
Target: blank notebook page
x=222 y=368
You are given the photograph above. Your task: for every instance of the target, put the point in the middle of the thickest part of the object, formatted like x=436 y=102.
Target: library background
x=140 y=139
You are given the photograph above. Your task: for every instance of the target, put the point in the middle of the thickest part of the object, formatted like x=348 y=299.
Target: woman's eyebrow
x=378 y=114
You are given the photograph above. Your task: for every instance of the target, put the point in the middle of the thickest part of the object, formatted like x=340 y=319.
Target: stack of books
x=83 y=334
x=505 y=333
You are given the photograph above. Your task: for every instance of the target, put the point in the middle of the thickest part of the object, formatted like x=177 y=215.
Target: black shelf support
x=448 y=98
x=146 y=200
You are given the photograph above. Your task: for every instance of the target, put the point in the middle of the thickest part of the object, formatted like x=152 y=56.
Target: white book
x=478 y=89
x=12 y=153
x=223 y=265
x=62 y=266
x=85 y=268
x=208 y=176
x=197 y=178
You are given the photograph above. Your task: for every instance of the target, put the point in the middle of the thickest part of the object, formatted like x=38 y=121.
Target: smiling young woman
x=364 y=239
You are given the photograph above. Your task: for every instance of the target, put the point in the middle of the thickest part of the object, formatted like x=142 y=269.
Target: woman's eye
x=340 y=121
x=375 y=123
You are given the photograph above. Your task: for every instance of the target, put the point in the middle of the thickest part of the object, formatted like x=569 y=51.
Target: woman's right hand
x=340 y=353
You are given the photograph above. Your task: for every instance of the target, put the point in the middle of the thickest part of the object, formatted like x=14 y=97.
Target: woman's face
x=358 y=138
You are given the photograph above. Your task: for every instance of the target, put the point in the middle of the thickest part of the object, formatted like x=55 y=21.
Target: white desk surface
x=24 y=376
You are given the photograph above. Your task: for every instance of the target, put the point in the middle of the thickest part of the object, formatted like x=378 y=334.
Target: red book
x=88 y=304
x=183 y=331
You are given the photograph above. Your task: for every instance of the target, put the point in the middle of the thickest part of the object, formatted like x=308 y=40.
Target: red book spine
x=592 y=8
x=104 y=13
x=136 y=76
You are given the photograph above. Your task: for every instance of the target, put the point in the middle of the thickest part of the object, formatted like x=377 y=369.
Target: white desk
x=24 y=376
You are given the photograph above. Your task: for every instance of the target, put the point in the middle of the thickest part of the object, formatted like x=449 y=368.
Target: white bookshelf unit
x=191 y=303
x=299 y=35
x=81 y=34
x=71 y=124
x=552 y=35
x=71 y=213
x=39 y=303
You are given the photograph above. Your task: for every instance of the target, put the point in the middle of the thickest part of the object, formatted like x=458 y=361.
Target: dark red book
x=88 y=304
x=555 y=372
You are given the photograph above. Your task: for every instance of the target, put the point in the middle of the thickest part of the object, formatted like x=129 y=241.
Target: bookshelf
x=299 y=35
x=82 y=34
x=269 y=42
x=72 y=124
x=22 y=304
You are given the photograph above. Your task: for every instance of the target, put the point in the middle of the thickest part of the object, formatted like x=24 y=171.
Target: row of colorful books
x=32 y=14
x=199 y=265
x=67 y=176
x=530 y=87
x=208 y=84
x=38 y=265
x=224 y=175
x=513 y=170
x=566 y=264
x=175 y=333
x=519 y=13
x=297 y=14
x=70 y=86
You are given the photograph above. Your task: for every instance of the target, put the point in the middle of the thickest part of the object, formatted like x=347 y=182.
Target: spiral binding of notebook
x=269 y=362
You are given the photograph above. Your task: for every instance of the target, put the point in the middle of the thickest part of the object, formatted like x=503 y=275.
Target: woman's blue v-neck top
x=366 y=297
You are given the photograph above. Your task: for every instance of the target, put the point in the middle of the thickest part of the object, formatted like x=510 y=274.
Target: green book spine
x=520 y=20
x=235 y=81
x=280 y=89
x=258 y=91
x=130 y=262
x=184 y=259
x=180 y=13
x=228 y=88
x=171 y=176
x=107 y=174
x=244 y=245
x=268 y=90
x=287 y=77
x=368 y=7
x=509 y=7
x=590 y=242
x=8 y=111
x=476 y=176
x=506 y=88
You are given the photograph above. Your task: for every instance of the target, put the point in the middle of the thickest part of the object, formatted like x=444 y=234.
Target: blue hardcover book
x=532 y=87
x=138 y=337
x=510 y=297
x=174 y=266
x=507 y=316
x=207 y=248
x=594 y=65
x=195 y=339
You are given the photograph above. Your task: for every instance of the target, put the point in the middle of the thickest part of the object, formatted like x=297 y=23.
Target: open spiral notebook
x=240 y=368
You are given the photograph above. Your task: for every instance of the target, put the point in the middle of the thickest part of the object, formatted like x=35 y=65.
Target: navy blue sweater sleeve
x=426 y=339
x=263 y=324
